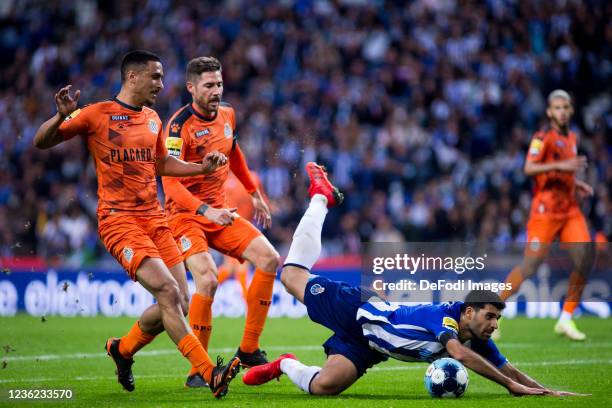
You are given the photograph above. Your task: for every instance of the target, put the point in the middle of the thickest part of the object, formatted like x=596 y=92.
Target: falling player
x=552 y=161
x=368 y=330
x=198 y=214
x=124 y=137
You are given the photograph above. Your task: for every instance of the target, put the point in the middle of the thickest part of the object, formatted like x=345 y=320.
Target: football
x=446 y=377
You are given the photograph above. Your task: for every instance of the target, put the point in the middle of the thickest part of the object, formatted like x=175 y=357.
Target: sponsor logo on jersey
x=201 y=133
x=119 y=117
x=227 y=130
x=560 y=143
x=185 y=243
x=131 y=155
x=128 y=254
x=535 y=147
x=174 y=146
x=317 y=289
x=450 y=323
x=72 y=115
x=153 y=127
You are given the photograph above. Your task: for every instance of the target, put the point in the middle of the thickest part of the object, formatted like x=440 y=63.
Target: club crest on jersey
x=174 y=145
x=119 y=117
x=316 y=289
x=227 y=130
x=153 y=126
x=451 y=324
x=201 y=133
x=175 y=128
x=72 y=115
x=185 y=243
x=128 y=254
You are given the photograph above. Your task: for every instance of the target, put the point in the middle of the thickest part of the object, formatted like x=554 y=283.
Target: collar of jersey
x=125 y=105
x=199 y=115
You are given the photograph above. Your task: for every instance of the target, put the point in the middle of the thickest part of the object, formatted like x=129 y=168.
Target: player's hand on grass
x=262 y=215
x=65 y=103
x=518 y=389
x=219 y=216
x=212 y=161
x=573 y=164
x=555 y=393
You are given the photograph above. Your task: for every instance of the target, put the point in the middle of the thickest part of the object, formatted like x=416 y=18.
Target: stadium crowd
x=421 y=111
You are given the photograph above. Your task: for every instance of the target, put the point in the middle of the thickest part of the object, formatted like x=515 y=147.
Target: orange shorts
x=195 y=233
x=542 y=231
x=131 y=239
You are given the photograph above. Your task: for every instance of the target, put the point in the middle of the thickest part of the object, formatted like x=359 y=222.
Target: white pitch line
x=145 y=353
x=163 y=352
x=408 y=367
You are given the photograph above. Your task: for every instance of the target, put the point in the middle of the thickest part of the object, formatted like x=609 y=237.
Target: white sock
x=299 y=374
x=565 y=316
x=306 y=245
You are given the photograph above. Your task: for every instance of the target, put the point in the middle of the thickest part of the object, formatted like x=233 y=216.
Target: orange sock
x=134 y=341
x=515 y=278
x=574 y=291
x=191 y=348
x=200 y=320
x=259 y=298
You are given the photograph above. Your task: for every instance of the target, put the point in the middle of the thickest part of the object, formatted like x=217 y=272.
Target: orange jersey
x=238 y=197
x=190 y=136
x=554 y=191
x=125 y=142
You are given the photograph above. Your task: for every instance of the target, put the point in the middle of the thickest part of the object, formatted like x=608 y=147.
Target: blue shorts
x=334 y=305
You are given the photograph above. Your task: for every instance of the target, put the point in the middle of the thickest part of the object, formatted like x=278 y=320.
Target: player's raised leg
x=306 y=244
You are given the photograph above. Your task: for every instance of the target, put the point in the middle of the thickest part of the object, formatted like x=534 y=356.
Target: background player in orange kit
x=124 y=137
x=197 y=217
x=553 y=161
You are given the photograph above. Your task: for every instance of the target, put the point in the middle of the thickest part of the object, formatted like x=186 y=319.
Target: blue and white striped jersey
x=412 y=333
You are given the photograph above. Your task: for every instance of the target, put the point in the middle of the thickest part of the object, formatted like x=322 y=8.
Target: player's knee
x=269 y=260
x=207 y=284
x=169 y=294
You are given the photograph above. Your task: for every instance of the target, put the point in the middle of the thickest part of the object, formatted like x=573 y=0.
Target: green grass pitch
x=68 y=353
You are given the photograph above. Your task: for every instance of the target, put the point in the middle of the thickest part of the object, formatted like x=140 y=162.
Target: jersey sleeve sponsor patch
x=450 y=323
x=174 y=145
x=73 y=115
x=535 y=147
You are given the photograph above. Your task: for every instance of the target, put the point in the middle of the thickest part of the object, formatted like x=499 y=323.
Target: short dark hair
x=137 y=58
x=201 y=64
x=478 y=299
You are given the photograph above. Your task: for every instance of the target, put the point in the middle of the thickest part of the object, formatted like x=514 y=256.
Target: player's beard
x=562 y=127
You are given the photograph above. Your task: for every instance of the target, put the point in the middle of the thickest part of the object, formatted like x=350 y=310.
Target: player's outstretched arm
x=171 y=166
x=477 y=363
x=522 y=378
x=47 y=135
